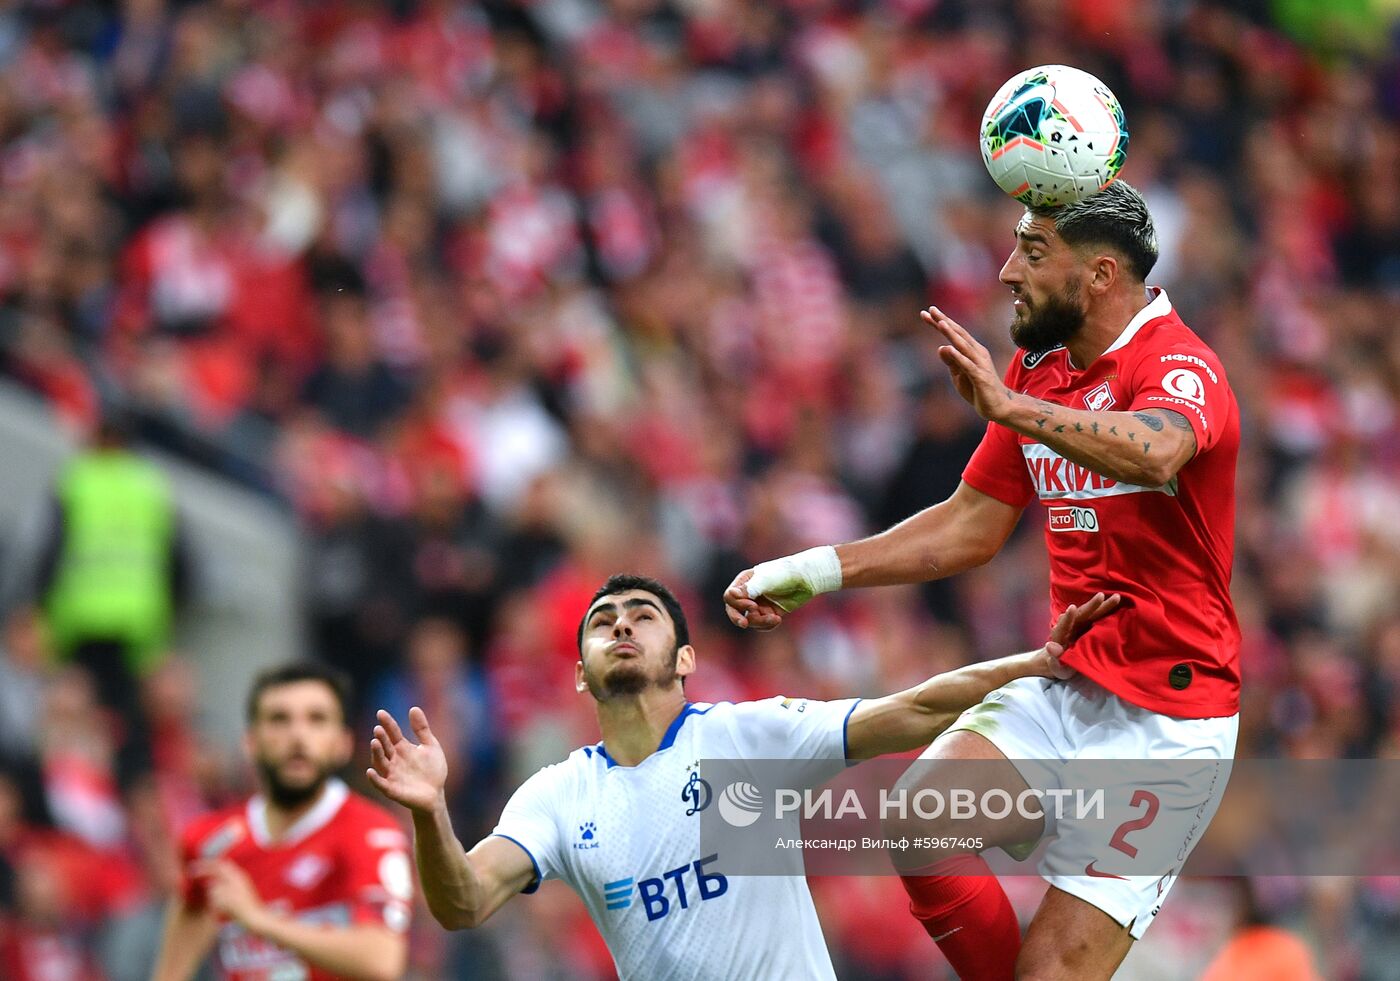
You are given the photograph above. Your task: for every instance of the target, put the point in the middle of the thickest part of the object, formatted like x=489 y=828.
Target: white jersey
x=627 y=839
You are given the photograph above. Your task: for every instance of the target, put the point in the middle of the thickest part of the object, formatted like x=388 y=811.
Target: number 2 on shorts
x=1120 y=837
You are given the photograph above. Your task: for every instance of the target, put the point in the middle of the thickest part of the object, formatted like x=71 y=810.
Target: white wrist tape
x=817 y=570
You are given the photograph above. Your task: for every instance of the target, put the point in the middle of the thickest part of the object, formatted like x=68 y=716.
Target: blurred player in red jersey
x=1120 y=420
x=306 y=879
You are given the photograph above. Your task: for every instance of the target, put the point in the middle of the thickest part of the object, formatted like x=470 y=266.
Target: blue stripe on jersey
x=538 y=877
x=845 y=731
x=671 y=731
x=621 y=905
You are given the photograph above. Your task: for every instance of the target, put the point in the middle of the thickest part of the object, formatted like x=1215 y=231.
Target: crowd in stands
x=503 y=297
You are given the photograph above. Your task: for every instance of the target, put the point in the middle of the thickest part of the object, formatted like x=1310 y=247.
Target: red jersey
x=345 y=861
x=1173 y=646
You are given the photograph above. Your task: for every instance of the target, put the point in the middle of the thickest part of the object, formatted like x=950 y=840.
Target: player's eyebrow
x=1032 y=238
x=627 y=605
x=602 y=608
x=640 y=601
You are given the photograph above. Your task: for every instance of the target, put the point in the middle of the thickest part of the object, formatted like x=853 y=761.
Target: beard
x=291 y=795
x=1051 y=322
x=629 y=678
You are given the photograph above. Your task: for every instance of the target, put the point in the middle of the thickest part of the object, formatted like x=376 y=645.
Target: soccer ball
x=1053 y=135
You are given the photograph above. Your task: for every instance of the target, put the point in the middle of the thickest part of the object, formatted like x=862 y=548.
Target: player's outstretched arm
x=916 y=716
x=461 y=889
x=964 y=531
x=1145 y=448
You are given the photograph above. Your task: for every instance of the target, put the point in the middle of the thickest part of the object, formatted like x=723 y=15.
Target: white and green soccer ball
x=1053 y=135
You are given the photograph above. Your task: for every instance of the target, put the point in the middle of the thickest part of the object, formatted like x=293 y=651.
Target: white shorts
x=1046 y=727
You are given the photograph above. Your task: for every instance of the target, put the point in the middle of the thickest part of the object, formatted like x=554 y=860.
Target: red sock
x=965 y=910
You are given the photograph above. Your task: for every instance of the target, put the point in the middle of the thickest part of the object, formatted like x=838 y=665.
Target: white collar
x=320 y=814
x=1159 y=307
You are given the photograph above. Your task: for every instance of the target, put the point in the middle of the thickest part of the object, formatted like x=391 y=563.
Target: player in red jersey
x=306 y=879
x=1121 y=421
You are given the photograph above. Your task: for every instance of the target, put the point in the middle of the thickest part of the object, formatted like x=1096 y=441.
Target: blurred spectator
x=439 y=676
x=43 y=942
x=1260 y=951
x=114 y=572
x=23 y=664
x=77 y=758
x=354 y=389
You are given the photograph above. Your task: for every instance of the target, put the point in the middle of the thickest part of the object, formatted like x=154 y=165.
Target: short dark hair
x=290 y=674
x=1116 y=217
x=625 y=582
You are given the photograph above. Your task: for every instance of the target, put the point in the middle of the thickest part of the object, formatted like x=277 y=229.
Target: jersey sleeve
x=783 y=728
x=1187 y=379
x=528 y=819
x=206 y=838
x=998 y=469
x=378 y=873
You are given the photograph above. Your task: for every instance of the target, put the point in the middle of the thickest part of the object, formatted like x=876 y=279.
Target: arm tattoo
x=1132 y=436
x=1151 y=422
x=1176 y=419
x=1095 y=427
x=1079 y=427
x=1113 y=430
x=1059 y=429
x=1145 y=447
x=1040 y=423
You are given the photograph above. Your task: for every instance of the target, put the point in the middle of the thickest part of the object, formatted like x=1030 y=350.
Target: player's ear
x=685 y=661
x=580 y=684
x=1103 y=274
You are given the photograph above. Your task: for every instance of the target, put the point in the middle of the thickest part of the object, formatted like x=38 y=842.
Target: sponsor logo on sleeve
x=1185 y=384
x=1192 y=359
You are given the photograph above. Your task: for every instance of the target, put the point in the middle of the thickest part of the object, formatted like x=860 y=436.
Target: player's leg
x=1018 y=722
x=1071 y=940
x=952 y=891
x=968 y=762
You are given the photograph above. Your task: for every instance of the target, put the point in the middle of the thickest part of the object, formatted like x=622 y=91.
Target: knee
x=1070 y=959
x=1041 y=972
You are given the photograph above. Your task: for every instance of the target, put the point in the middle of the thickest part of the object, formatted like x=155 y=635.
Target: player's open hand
x=974 y=374
x=758 y=612
x=1071 y=624
x=413 y=775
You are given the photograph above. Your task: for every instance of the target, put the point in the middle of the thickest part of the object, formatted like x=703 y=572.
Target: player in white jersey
x=620 y=820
